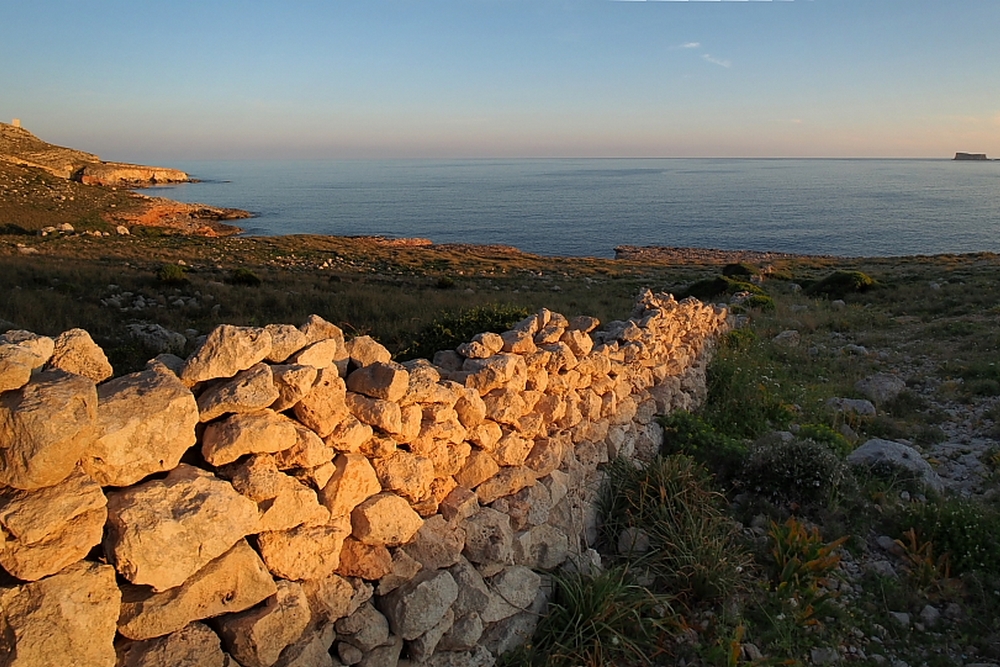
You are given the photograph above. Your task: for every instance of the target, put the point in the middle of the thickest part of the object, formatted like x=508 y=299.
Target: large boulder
x=252 y=389
x=417 y=606
x=257 y=637
x=163 y=531
x=145 y=423
x=45 y=428
x=226 y=351
x=43 y=531
x=881 y=387
x=67 y=619
x=233 y=582
x=244 y=433
x=76 y=352
x=887 y=455
x=193 y=646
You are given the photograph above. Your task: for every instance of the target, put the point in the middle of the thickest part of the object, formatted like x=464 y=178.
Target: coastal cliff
x=20 y=147
x=980 y=157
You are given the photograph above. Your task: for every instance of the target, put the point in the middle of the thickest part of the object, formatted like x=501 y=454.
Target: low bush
x=839 y=284
x=711 y=288
x=454 y=328
x=172 y=274
x=794 y=470
x=685 y=433
x=242 y=276
x=963 y=529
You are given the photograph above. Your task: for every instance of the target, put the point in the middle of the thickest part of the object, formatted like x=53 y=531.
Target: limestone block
x=349 y=435
x=45 y=427
x=40 y=347
x=434 y=432
x=438 y=544
x=505 y=405
x=312 y=650
x=478 y=468
x=368 y=561
x=419 y=605
x=474 y=596
x=321 y=354
x=145 y=423
x=481 y=346
x=514 y=590
x=376 y=412
x=486 y=435
x=424 y=387
x=549 y=334
x=304 y=552
x=309 y=451
x=531 y=426
x=161 y=532
x=881 y=387
x=323 y=408
x=512 y=449
x=411 y=421
x=379 y=446
x=562 y=358
x=257 y=637
x=247 y=433
x=488 y=537
x=293 y=382
x=250 y=390
x=506 y=482
x=403 y=569
x=317 y=477
x=330 y=597
x=74 y=351
x=235 y=581
x=365 y=629
x=70 y=615
x=440 y=488
x=365 y=350
x=500 y=370
x=542 y=547
x=879 y=454
x=584 y=323
x=380 y=380
x=408 y=475
x=580 y=344
x=385 y=519
x=16 y=364
x=286 y=340
x=354 y=482
x=546 y=454
x=294 y=505
x=528 y=507
x=422 y=648
x=316 y=329
x=226 y=351
x=538 y=379
x=470 y=408
x=193 y=646
x=518 y=342
x=459 y=504
x=43 y=531
x=463 y=635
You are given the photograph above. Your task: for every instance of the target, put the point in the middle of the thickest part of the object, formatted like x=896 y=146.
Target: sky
x=155 y=82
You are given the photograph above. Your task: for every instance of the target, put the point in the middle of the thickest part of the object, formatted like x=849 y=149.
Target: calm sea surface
x=586 y=207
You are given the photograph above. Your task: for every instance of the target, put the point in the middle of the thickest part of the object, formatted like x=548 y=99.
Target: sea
x=587 y=207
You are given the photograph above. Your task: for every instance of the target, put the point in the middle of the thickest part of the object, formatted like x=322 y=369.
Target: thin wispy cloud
x=689 y=45
x=717 y=61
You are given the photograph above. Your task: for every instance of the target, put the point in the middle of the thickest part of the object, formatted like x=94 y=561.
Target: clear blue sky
x=141 y=81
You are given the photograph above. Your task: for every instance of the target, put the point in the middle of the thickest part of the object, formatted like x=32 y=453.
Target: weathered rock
x=506 y=482
x=193 y=646
x=419 y=605
x=145 y=423
x=309 y=451
x=257 y=637
x=40 y=347
x=380 y=380
x=543 y=547
x=386 y=655
x=45 y=427
x=463 y=635
x=316 y=329
x=247 y=433
x=293 y=505
x=368 y=561
x=354 y=482
x=330 y=597
x=406 y=474
x=403 y=569
x=878 y=454
x=481 y=346
x=323 y=408
x=437 y=544
x=16 y=364
x=856 y=406
x=321 y=354
x=76 y=352
x=528 y=507
x=422 y=648
x=881 y=388
x=365 y=350
x=512 y=449
x=304 y=552
x=365 y=629
x=157 y=338
x=250 y=390
x=227 y=350
x=385 y=519
x=286 y=340
x=312 y=650
x=350 y=435
x=381 y=414
x=293 y=382
x=459 y=504
x=488 y=537
x=161 y=532
x=514 y=590
x=70 y=615
x=478 y=468
x=43 y=531
x=235 y=581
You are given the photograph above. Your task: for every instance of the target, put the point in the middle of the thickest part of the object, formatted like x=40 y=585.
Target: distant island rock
x=971 y=156
x=19 y=146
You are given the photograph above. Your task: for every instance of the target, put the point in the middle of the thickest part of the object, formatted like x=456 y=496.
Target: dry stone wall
x=287 y=498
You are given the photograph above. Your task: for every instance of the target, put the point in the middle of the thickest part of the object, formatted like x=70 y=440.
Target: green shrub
x=242 y=276
x=445 y=282
x=597 y=620
x=839 y=284
x=694 y=549
x=452 y=329
x=685 y=433
x=172 y=274
x=711 y=288
x=964 y=529
x=825 y=435
x=795 y=470
x=740 y=270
